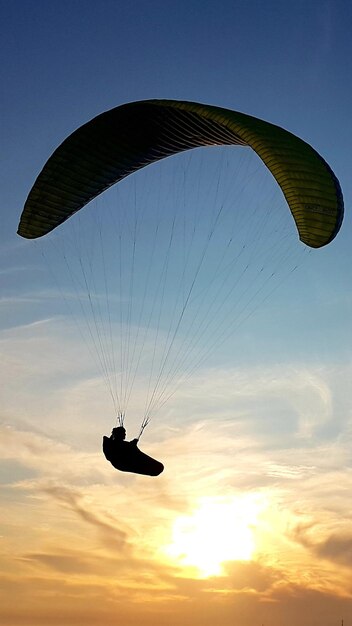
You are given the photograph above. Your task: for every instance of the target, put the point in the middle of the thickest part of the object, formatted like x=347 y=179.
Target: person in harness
x=125 y=456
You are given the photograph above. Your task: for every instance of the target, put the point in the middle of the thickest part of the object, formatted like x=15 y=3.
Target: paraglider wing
x=120 y=141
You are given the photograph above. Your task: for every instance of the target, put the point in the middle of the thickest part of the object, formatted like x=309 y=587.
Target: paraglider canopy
x=120 y=141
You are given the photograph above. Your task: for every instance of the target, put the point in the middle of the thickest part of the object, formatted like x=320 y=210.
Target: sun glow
x=219 y=530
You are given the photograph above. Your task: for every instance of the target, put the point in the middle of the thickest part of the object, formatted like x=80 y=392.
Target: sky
x=250 y=522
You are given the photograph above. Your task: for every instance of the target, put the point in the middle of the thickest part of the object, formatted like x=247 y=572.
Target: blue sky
x=274 y=423
x=65 y=63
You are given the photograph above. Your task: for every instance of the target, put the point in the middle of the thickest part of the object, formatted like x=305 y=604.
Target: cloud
x=337 y=549
x=49 y=377
x=75 y=528
x=194 y=604
x=66 y=564
x=72 y=500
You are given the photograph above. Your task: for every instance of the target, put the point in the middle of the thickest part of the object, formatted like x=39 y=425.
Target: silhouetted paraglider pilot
x=127 y=457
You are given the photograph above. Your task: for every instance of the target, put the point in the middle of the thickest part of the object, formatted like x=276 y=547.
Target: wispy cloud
x=72 y=500
x=74 y=527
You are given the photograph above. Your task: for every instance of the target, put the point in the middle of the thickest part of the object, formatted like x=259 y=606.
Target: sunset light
x=219 y=530
x=175 y=313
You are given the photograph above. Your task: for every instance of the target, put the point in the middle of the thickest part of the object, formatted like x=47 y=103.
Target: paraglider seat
x=125 y=456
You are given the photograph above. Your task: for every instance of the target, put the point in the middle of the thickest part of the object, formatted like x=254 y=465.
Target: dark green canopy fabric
x=129 y=137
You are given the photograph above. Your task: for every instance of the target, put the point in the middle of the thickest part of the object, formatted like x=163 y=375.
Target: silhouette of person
x=118 y=436
x=126 y=456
